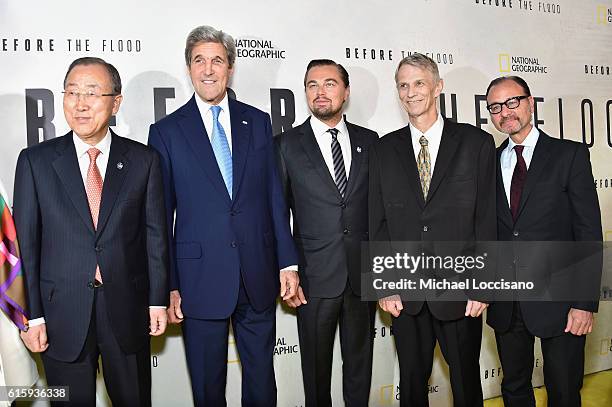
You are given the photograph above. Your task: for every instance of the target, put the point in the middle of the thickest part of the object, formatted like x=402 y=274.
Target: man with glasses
x=545 y=192
x=89 y=214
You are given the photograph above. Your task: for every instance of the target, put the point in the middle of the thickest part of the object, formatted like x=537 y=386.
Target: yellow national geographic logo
x=521 y=64
x=386 y=397
x=605 y=346
x=504 y=63
x=604 y=14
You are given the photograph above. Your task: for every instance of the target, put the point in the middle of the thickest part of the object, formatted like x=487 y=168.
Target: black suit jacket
x=460 y=205
x=60 y=248
x=327 y=228
x=558 y=203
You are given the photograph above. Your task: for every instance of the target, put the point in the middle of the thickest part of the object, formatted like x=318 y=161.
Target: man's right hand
x=392 y=305
x=175 y=315
x=35 y=338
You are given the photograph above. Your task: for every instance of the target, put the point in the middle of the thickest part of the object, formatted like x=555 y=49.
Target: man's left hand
x=579 y=322
x=475 y=308
x=158 y=321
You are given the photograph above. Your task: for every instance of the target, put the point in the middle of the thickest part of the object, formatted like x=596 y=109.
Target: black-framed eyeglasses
x=512 y=103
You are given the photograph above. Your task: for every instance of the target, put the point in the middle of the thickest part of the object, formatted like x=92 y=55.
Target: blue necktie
x=221 y=149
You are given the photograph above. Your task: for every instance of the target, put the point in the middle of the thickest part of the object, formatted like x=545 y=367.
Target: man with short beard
x=545 y=192
x=324 y=169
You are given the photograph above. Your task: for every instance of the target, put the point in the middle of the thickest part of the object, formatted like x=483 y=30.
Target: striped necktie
x=339 y=170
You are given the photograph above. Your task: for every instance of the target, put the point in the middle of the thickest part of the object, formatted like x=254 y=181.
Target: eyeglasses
x=89 y=96
x=512 y=103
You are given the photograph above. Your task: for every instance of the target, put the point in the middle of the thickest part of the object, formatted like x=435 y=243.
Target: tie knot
x=519 y=149
x=215 y=111
x=93 y=153
x=423 y=141
x=334 y=133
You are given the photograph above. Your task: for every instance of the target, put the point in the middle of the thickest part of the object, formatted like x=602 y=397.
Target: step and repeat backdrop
x=561 y=47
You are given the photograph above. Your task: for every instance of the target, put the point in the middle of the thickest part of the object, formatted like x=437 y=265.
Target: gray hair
x=420 y=61
x=206 y=33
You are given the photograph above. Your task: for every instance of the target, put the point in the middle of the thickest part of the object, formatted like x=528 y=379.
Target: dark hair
x=206 y=33
x=328 y=62
x=516 y=79
x=112 y=71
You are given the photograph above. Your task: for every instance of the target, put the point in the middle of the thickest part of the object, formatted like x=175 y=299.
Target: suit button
x=425 y=228
x=90 y=285
x=515 y=233
x=234 y=244
x=345 y=231
x=233 y=213
x=98 y=249
x=343 y=205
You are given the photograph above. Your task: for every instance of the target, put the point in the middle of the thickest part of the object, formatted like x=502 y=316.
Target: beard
x=327 y=112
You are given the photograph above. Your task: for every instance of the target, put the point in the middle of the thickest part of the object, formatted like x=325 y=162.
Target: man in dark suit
x=545 y=192
x=433 y=180
x=228 y=226
x=89 y=213
x=324 y=170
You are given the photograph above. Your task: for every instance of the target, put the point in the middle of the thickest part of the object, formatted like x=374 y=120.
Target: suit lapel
x=356 y=140
x=405 y=151
x=67 y=168
x=503 y=209
x=116 y=171
x=541 y=154
x=195 y=133
x=448 y=146
x=241 y=139
x=310 y=145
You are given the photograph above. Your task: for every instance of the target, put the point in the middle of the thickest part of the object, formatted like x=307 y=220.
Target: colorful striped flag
x=12 y=284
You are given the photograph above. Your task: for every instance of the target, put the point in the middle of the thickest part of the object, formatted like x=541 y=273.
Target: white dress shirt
x=324 y=139
x=433 y=136
x=507 y=159
x=224 y=118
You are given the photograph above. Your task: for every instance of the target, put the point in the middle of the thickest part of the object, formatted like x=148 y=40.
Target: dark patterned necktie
x=339 y=170
x=518 y=180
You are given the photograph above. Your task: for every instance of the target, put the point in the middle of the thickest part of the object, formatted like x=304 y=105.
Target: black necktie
x=518 y=180
x=339 y=170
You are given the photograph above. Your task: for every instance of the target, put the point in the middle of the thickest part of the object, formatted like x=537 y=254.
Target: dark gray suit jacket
x=328 y=229
x=60 y=248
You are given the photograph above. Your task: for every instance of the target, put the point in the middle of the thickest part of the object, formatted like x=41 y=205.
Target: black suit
x=328 y=230
x=460 y=206
x=60 y=250
x=558 y=203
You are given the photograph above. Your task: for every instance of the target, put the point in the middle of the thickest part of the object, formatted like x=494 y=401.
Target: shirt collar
x=319 y=128
x=530 y=141
x=82 y=147
x=204 y=107
x=435 y=131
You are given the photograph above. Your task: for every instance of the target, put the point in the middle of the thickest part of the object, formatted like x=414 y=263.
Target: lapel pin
x=358 y=149
x=119 y=165
x=244 y=122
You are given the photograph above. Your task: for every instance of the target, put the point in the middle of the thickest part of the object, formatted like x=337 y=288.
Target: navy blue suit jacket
x=215 y=239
